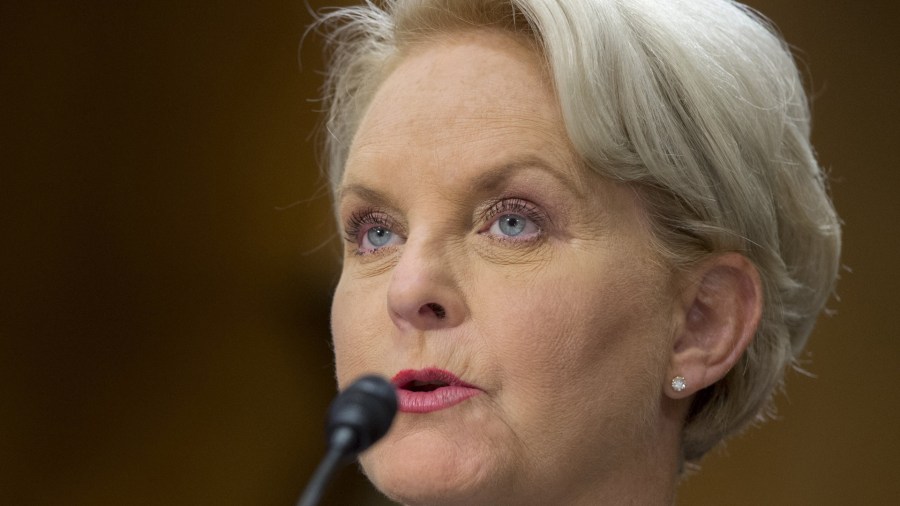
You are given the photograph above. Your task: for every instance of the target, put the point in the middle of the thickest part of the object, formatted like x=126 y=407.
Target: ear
x=721 y=309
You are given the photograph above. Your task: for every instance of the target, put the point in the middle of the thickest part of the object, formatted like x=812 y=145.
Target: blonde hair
x=696 y=103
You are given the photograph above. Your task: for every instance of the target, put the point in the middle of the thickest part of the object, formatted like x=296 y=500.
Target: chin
x=427 y=469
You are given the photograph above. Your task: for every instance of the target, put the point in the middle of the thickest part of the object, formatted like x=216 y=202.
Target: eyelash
x=516 y=206
x=362 y=218
x=358 y=220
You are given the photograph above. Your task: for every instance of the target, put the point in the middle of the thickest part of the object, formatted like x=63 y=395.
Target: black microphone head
x=367 y=407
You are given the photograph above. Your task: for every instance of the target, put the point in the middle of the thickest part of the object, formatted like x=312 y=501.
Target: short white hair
x=696 y=103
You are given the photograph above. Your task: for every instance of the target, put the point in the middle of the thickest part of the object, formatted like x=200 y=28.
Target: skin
x=568 y=328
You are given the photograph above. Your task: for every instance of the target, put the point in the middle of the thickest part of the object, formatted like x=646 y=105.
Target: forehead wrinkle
x=416 y=123
x=468 y=143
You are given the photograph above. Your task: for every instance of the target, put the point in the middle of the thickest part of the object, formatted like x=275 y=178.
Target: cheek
x=355 y=331
x=593 y=323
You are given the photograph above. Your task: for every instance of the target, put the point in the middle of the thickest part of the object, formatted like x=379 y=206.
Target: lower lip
x=436 y=400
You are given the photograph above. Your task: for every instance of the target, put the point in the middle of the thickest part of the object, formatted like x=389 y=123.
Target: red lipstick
x=431 y=389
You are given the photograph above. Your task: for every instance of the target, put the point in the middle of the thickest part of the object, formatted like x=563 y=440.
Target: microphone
x=358 y=417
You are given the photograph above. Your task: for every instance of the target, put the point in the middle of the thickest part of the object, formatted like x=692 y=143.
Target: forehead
x=482 y=70
x=459 y=104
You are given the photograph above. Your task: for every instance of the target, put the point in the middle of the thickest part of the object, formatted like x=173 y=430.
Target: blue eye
x=370 y=230
x=515 y=219
x=379 y=236
x=514 y=226
x=511 y=224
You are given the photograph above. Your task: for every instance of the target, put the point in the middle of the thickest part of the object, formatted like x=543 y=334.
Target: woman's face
x=484 y=260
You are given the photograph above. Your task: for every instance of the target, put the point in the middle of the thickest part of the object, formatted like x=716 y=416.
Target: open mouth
x=426 y=380
x=423 y=386
x=431 y=389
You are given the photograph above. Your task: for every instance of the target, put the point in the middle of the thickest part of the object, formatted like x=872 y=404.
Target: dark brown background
x=167 y=264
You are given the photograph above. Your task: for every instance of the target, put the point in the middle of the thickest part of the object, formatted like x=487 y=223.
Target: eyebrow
x=491 y=180
x=364 y=193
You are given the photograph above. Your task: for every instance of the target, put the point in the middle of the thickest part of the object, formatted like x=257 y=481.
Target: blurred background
x=168 y=259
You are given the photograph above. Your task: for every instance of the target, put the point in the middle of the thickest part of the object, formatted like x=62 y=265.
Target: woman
x=584 y=238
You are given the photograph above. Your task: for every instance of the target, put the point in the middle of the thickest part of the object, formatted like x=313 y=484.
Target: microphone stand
x=342 y=439
x=359 y=416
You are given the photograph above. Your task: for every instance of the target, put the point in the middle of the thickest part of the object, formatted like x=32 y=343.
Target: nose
x=423 y=292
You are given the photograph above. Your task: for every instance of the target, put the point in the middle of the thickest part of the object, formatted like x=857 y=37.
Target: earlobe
x=720 y=314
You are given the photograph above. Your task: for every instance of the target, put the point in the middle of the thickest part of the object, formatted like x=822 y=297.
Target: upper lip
x=408 y=378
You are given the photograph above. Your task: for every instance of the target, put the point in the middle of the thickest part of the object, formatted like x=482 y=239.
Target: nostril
x=437 y=309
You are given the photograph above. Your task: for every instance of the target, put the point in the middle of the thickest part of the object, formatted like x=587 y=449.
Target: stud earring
x=678 y=383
